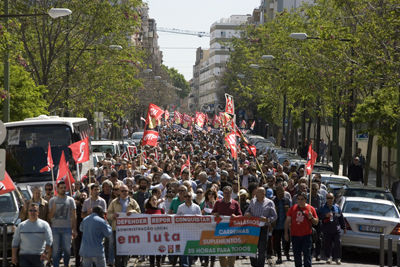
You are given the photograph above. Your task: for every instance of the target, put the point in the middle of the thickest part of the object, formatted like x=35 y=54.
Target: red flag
x=150 y=138
x=132 y=150
x=216 y=122
x=186 y=164
x=187 y=121
x=177 y=117
x=124 y=156
x=251 y=149
x=200 y=119
x=231 y=143
x=64 y=174
x=252 y=125
x=311 y=159
x=166 y=115
x=243 y=124
x=80 y=150
x=7 y=184
x=50 y=163
x=229 y=106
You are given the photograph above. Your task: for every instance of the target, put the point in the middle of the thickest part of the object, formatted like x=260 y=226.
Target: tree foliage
x=179 y=81
x=352 y=62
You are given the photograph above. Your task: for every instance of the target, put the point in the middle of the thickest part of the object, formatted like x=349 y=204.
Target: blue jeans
x=302 y=244
x=30 y=261
x=61 y=244
x=99 y=261
x=186 y=261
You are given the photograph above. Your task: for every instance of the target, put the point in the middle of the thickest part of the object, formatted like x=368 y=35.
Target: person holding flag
x=63 y=224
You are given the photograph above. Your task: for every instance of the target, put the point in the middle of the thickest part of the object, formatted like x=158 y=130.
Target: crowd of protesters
x=159 y=180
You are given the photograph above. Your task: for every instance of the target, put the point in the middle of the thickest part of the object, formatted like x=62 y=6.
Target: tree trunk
x=379 y=166
x=303 y=126
x=347 y=157
x=318 y=137
x=309 y=129
x=368 y=157
x=389 y=165
x=335 y=142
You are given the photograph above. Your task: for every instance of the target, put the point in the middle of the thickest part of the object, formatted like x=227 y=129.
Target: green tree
x=27 y=99
x=179 y=81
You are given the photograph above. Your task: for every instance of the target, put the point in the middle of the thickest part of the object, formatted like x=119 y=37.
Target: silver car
x=366 y=219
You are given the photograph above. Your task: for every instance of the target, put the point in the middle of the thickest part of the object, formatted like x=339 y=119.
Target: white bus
x=27 y=144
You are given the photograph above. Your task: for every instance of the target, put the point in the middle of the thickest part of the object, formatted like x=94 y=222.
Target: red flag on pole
x=231 y=143
x=229 y=106
x=80 y=150
x=6 y=185
x=311 y=159
x=252 y=125
x=50 y=163
x=64 y=174
x=251 y=149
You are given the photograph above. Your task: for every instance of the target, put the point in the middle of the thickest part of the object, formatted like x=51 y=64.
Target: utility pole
x=6 y=104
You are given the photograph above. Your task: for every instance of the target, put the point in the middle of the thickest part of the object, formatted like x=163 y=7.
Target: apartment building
x=210 y=95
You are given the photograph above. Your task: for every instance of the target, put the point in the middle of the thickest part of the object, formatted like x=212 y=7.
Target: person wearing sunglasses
x=299 y=219
x=124 y=204
x=33 y=239
x=332 y=221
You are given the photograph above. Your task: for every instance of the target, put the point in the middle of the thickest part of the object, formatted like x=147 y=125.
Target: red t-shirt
x=301 y=225
x=227 y=209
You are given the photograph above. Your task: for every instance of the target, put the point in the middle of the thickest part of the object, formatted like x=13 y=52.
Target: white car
x=106 y=147
x=334 y=179
x=366 y=219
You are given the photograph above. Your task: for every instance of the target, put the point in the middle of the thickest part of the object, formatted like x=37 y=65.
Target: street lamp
x=53 y=13
x=335 y=123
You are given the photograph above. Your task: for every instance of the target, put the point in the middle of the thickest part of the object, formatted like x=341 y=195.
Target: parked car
x=366 y=219
x=333 y=178
x=10 y=206
x=25 y=191
x=137 y=137
x=320 y=168
x=106 y=147
x=359 y=190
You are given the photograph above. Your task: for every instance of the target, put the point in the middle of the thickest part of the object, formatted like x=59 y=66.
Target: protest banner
x=144 y=234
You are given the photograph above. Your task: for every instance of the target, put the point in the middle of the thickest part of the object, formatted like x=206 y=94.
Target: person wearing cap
x=244 y=200
x=263 y=208
x=355 y=172
x=143 y=170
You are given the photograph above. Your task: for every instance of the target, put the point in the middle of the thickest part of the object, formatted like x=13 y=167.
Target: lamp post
x=335 y=123
x=53 y=13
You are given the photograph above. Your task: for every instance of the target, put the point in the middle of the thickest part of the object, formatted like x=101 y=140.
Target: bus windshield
x=26 y=150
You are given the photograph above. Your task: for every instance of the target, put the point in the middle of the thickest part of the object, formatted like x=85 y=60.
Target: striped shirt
x=266 y=209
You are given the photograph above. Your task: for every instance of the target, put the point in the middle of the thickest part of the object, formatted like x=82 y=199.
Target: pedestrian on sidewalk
x=356 y=172
x=332 y=221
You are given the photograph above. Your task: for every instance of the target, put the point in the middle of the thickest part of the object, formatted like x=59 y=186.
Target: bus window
x=26 y=150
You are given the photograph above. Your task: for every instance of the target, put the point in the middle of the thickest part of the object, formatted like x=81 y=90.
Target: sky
x=179 y=50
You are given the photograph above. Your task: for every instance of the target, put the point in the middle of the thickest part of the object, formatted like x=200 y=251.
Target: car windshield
x=322 y=168
x=362 y=192
x=27 y=146
x=137 y=135
x=104 y=148
x=6 y=203
x=369 y=208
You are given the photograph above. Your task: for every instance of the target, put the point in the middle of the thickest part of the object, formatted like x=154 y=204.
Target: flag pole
x=78 y=172
x=69 y=181
x=52 y=178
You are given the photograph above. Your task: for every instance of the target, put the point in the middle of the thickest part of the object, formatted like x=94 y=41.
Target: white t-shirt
x=184 y=209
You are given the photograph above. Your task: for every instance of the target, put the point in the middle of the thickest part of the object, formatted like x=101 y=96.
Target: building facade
x=210 y=96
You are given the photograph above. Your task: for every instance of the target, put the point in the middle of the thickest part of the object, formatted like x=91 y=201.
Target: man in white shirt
x=188 y=208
